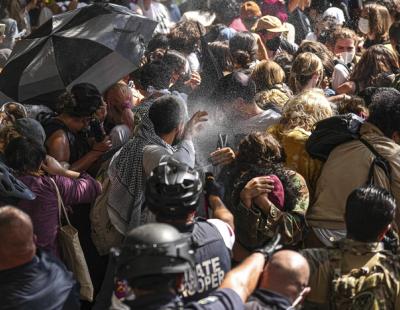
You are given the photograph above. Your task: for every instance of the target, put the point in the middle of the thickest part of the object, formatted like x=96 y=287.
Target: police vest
x=213 y=261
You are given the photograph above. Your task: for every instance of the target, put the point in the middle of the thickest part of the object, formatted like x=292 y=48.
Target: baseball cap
x=335 y=13
x=269 y=23
x=233 y=86
x=31 y=129
x=250 y=9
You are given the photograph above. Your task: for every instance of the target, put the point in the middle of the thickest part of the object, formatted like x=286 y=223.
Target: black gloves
x=212 y=187
x=270 y=247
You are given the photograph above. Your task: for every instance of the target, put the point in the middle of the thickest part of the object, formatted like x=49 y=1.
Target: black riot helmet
x=173 y=190
x=153 y=251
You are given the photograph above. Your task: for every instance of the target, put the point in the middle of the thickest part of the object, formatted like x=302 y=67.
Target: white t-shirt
x=311 y=36
x=226 y=232
x=194 y=63
x=340 y=75
x=153 y=155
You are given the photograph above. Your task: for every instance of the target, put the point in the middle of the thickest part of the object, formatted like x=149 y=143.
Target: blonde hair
x=305 y=110
x=119 y=90
x=14 y=109
x=266 y=74
x=274 y=96
x=304 y=66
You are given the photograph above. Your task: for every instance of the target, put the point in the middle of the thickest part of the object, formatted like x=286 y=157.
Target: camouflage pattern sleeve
x=290 y=224
x=293 y=222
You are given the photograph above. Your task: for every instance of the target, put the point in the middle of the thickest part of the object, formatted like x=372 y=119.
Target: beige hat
x=269 y=23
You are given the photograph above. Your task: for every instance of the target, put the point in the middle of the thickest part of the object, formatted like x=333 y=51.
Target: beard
x=178 y=138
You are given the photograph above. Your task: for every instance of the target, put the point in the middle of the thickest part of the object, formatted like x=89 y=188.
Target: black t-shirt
x=263 y=299
x=78 y=143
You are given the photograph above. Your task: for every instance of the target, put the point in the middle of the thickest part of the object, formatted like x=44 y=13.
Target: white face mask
x=363 y=25
x=347 y=57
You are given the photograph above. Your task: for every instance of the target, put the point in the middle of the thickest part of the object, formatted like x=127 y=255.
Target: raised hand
x=254 y=188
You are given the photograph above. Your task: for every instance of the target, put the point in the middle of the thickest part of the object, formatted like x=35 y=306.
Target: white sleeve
x=340 y=75
x=226 y=232
x=153 y=155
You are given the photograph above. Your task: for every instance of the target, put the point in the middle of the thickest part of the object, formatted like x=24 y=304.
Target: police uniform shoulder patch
x=208 y=300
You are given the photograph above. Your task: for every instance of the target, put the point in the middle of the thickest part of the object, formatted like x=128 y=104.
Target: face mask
x=274 y=44
x=347 y=57
x=363 y=25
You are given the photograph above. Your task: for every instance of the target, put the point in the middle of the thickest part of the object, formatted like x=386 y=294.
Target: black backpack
x=331 y=132
x=334 y=131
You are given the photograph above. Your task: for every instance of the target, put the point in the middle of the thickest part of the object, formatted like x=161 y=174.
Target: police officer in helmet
x=172 y=194
x=155 y=257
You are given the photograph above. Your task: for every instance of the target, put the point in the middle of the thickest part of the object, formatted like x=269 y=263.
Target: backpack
x=332 y=132
x=103 y=233
x=365 y=288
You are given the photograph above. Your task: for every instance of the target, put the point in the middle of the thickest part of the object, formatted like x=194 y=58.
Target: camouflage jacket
x=353 y=275
x=255 y=226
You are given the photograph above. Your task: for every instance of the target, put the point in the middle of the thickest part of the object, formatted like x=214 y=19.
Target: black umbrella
x=98 y=44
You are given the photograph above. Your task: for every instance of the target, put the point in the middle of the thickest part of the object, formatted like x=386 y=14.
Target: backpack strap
x=379 y=161
x=340 y=62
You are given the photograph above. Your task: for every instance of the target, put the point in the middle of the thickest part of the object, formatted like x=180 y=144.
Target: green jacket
x=353 y=275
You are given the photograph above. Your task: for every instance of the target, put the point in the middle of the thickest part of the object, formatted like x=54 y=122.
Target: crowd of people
x=251 y=161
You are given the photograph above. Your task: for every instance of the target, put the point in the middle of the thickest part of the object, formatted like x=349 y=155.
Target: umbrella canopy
x=98 y=44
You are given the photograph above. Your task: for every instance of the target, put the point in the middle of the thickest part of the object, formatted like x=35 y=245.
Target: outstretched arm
x=244 y=278
x=220 y=211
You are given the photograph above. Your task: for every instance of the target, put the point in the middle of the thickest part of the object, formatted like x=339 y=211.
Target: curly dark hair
x=292 y=193
x=226 y=10
x=185 y=36
x=385 y=111
x=259 y=149
x=81 y=101
x=259 y=153
x=243 y=48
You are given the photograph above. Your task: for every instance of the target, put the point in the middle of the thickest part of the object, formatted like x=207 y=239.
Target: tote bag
x=71 y=251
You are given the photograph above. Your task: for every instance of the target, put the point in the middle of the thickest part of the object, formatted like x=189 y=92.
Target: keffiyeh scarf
x=127 y=176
